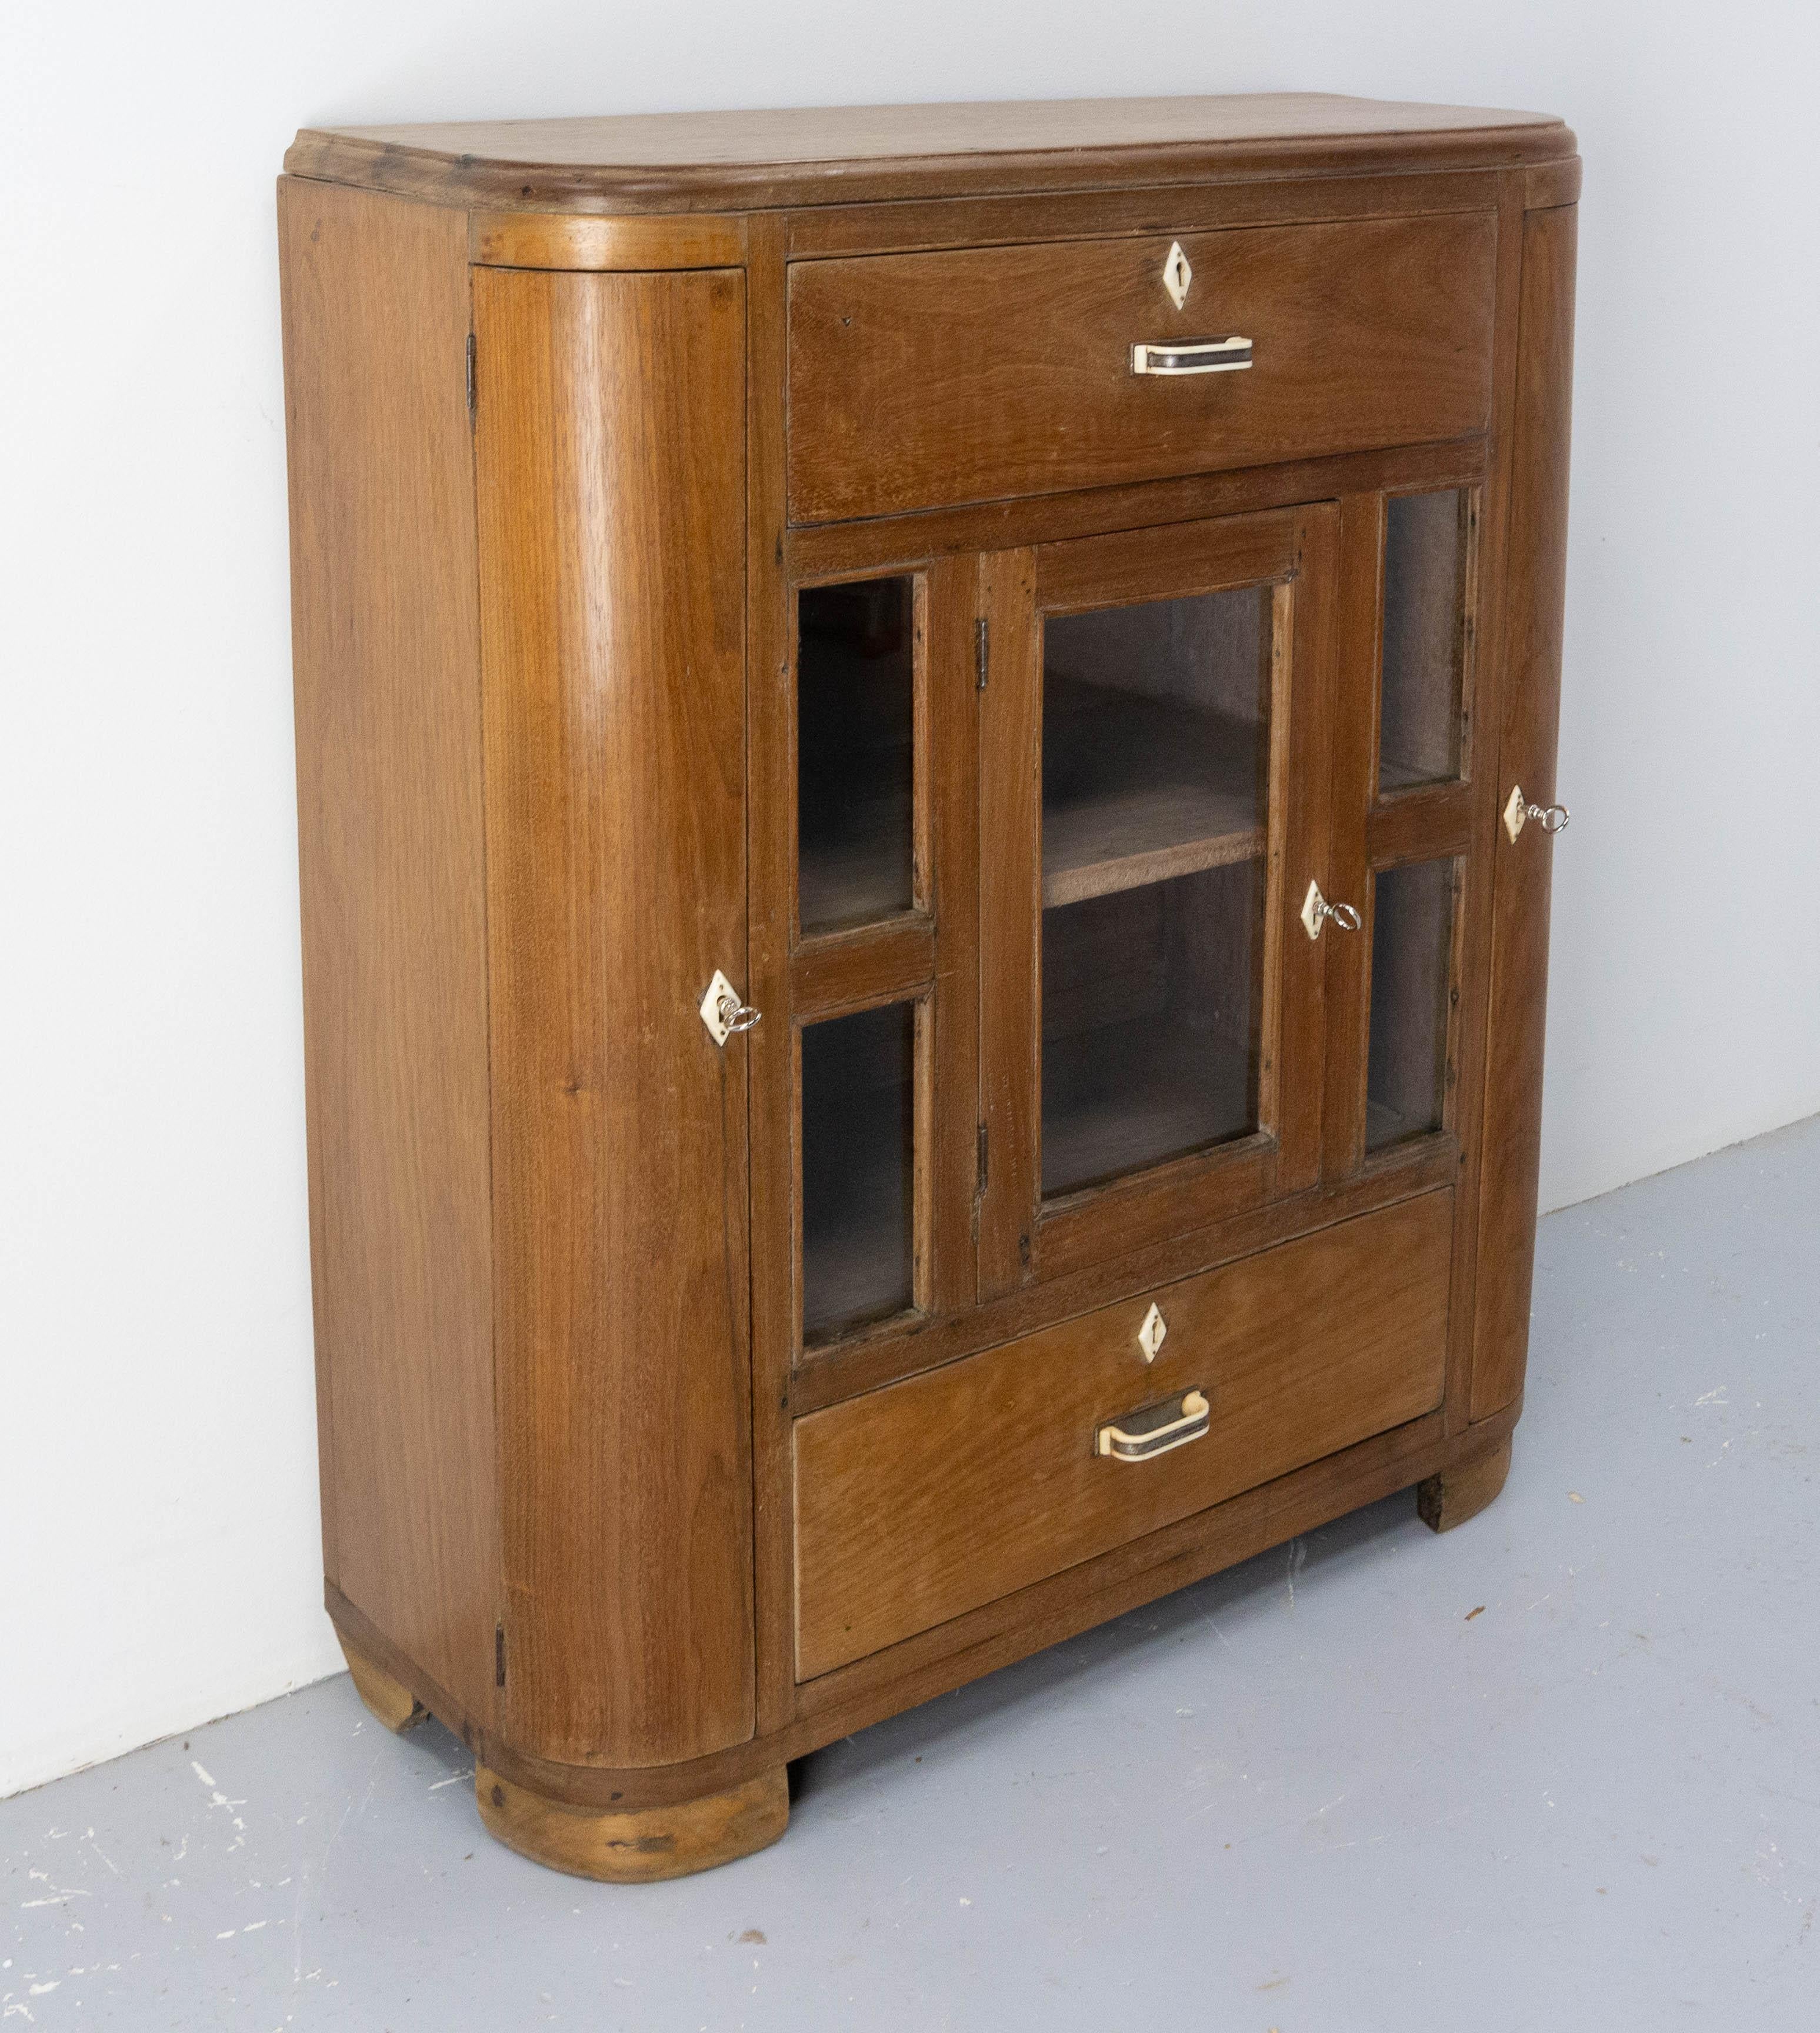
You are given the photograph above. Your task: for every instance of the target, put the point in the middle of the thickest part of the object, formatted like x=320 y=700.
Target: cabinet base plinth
x=634 y=1846
x=1457 y=1494
x=390 y=1700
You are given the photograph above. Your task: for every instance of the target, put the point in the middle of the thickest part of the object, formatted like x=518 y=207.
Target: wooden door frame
x=1021 y=1241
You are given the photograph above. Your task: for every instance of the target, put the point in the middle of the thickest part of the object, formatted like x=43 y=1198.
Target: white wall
x=158 y=1508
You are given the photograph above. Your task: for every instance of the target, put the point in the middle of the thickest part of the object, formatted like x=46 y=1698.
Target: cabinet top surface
x=849 y=155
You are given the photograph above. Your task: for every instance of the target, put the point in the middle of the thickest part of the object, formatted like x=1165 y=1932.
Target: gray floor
x=1559 y=1769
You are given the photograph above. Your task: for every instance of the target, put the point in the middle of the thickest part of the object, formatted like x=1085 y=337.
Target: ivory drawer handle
x=1193 y=356
x=1172 y=1423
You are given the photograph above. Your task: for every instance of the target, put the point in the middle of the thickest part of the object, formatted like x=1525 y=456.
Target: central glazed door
x=1154 y=777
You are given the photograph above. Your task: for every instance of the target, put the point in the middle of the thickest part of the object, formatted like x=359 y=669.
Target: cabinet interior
x=1412 y=991
x=855 y=695
x=1156 y=796
x=1427 y=544
x=858 y=1169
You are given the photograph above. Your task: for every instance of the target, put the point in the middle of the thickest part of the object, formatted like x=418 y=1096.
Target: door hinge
x=982 y=653
x=980 y=1157
x=471 y=393
x=499 y=1655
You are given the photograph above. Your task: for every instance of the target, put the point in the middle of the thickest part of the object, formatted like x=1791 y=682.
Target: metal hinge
x=471 y=396
x=982 y=655
x=981 y=1157
x=499 y=1655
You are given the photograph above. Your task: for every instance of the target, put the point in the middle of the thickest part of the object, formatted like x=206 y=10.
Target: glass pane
x=1155 y=753
x=856 y=681
x=1156 y=794
x=859 y=1102
x=1150 y=1001
x=1419 y=738
x=1412 y=991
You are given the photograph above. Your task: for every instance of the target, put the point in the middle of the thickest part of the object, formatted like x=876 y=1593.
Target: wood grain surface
x=391 y=850
x=636 y=1845
x=824 y=156
x=926 y=380
x=613 y=651
x=587 y=1496
x=1535 y=602
x=918 y=1503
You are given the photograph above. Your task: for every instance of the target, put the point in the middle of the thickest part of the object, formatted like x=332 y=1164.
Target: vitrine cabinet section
x=1535 y=583
x=609 y=461
x=926 y=380
x=1156 y=766
x=394 y=920
x=1153 y=778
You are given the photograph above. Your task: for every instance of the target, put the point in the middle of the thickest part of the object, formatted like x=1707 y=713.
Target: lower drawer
x=929 y=1498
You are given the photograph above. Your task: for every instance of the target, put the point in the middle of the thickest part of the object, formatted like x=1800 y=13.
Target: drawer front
x=921 y=1501
x=926 y=380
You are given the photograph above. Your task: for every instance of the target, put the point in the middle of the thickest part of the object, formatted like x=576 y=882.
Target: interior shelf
x=1128 y=1095
x=1395 y=774
x=858 y=1165
x=1137 y=789
x=852 y=871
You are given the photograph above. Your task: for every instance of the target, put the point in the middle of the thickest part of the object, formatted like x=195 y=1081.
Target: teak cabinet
x=925 y=746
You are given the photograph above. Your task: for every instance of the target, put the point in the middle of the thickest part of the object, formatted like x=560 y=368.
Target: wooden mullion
x=1010 y=904
x=951 y=748
x=1300 y=852
x=894 y=960
x=1355 y=761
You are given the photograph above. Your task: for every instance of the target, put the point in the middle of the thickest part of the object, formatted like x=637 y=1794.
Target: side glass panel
x=1156 y=800
x=858 y=1105
x=855 y=690
x=1412 y=994
x=1427 y=545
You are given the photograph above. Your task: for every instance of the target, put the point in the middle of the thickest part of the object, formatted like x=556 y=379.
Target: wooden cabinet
x=925 y=740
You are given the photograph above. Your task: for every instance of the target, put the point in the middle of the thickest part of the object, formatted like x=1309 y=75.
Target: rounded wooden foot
x=394 y=1703
x=636 y=1845
x=1457 y=1494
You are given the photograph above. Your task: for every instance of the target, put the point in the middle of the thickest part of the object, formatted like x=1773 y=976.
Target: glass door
x=1152 y=811
x=1408 y=829
x=861 y=941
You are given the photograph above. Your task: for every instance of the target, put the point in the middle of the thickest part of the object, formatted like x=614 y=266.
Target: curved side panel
x=1537 y=584
x=610 y=473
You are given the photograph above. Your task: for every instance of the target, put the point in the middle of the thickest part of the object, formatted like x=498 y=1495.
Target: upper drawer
x=925 y=380
x=921 y=1501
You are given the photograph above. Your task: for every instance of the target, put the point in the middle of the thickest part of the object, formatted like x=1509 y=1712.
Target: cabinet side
x=386 y=655
x=1535 y=594
x=610 y=436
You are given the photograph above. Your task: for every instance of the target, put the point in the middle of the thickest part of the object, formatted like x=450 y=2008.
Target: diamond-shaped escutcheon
x=1177 y=274
x=1150 y=1335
